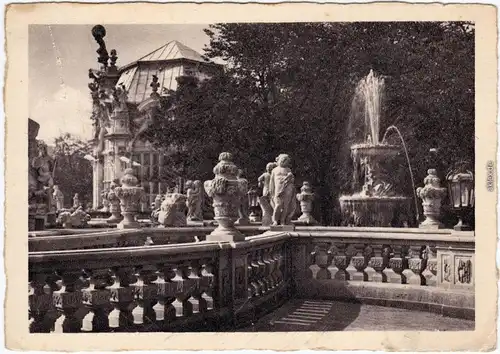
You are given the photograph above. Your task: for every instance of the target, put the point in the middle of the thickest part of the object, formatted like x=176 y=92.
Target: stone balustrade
x=154 y=288
x=217 y=285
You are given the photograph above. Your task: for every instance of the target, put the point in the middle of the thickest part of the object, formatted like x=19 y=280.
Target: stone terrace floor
x=320 y=315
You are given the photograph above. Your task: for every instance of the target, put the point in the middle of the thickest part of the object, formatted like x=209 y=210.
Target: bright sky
x=61 y=55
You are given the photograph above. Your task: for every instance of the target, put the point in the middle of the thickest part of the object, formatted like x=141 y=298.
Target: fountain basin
x=375 y=150
x=378 y=211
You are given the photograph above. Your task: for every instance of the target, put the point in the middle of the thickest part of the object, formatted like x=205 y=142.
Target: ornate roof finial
x=154 y=85
x=99 y=32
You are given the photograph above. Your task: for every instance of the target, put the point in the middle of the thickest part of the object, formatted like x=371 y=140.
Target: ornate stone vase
x=226 y=191
x=306 y=197
x=130 y=196
x=431 y=195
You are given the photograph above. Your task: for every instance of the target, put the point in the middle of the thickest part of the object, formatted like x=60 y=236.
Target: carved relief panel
x=456 y=268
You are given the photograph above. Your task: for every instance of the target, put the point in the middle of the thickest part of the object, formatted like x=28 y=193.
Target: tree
x=72 y=172
x=288 y=88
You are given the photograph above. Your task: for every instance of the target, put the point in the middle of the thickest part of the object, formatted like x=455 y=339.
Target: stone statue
x=194 y=199
x=44 y=166
x=198 y=185
x=157 y=202
x=282 y=191
x=58 y=197
x=265 y=199
x=76 y=201
x=172 y=210
x=243 y=208
x=120 y=96
x=105 y=201
x=78 y=218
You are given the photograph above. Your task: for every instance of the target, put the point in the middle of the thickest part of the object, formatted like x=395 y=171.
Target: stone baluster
x=193 y=287
x=358 y=263
x=321 y=260
x=121 y=296
x=376 y=264
x=341 y=261
x=393 y=272
x=206 y=286
x=256 y=274
x=274 y=266
x=262 y=271
x=40 y=303
x=67 y=300
x=413 y=274
x=145 y=294
x=252 y=268
x=269 y=267
x=430 y=265
x=163 y=309
x=96 y=298
x=279 y=265
x=182 y=307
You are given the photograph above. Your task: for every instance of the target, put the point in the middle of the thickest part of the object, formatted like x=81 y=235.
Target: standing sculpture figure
x=265 y=199
x=282 y=191
x=198 y=213
x=43 y=164
x=192 y=196
x=76 y=201
x=58 y=198
x=243 y=208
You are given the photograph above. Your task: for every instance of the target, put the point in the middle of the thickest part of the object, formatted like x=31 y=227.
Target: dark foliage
x=288 y=88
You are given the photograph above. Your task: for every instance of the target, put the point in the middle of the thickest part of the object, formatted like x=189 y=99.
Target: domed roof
x=168 y=62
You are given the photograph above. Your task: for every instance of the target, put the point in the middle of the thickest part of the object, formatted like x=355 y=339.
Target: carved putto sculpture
x=431 y=195
x=282 y=191
x=172 y=210
x=58 y=197
x=265 y=199
x=306 y=197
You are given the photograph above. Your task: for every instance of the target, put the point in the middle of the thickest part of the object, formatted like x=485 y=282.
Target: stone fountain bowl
x=373 y=150
x=380 y=211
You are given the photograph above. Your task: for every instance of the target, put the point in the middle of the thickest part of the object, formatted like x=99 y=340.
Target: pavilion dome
x=168 y=62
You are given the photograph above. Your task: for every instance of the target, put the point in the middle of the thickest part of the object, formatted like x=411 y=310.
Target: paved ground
x=319 y=315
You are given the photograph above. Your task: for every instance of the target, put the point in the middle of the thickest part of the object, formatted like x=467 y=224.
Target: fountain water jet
x=377 y=203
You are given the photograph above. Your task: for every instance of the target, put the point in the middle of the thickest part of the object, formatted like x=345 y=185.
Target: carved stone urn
x=226 y=190
x=130 y=196
x=431 y=195
x=306 y=197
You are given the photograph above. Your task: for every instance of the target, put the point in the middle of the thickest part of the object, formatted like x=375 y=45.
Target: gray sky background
x=59 y=59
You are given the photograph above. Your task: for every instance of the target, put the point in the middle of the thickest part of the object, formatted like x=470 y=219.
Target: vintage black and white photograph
x=224 y=176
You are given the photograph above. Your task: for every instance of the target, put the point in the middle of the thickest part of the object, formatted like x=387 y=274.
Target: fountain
x=377 y=204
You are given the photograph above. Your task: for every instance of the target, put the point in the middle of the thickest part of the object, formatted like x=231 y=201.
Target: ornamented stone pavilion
x=123 y=102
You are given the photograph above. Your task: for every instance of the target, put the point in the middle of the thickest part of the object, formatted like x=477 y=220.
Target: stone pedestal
x=455 y=267
x=226 y=191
